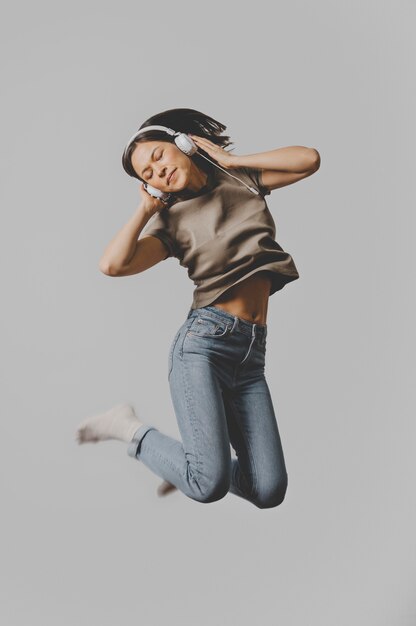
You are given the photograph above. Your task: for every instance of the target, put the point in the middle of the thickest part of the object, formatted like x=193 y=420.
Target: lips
x=170 y=175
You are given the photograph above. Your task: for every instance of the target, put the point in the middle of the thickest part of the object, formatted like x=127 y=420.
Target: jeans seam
x=185 y=332
x=171 y=353
x=248 y=447
x=190 y=408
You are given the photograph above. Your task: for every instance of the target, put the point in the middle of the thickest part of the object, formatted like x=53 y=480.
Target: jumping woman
x=206 y=207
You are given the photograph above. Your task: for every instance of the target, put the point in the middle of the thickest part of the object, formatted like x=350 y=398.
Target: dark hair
x=185 y=121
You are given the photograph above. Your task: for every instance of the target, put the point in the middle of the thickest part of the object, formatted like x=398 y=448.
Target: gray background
x=85 y=539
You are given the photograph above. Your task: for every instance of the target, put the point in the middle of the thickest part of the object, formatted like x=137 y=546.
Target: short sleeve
x=157 y=227
x=254 y=174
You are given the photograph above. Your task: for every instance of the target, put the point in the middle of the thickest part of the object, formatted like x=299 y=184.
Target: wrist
x=145 y=210
x=236 y=160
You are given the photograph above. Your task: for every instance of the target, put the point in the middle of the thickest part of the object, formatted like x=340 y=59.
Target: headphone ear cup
x=186 y=144
x=157 y=193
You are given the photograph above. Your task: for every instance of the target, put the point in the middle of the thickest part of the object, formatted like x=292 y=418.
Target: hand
x=150 y=204
x=221 y=156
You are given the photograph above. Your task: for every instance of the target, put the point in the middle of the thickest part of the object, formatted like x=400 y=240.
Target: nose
x=162 y=169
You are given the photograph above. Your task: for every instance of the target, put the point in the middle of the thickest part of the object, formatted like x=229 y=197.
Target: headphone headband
x=169 y=131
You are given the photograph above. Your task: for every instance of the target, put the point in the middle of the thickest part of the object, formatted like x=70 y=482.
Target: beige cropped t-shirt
x=223 y=234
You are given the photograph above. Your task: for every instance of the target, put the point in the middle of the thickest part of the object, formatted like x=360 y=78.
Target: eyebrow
x=151 y=157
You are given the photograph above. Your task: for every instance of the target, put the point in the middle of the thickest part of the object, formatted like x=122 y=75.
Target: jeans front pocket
x=205 y=326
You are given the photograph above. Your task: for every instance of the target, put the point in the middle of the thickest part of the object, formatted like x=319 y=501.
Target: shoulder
x=252 y=177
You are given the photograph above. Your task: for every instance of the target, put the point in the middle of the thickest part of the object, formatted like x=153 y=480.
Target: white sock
x=120 y=422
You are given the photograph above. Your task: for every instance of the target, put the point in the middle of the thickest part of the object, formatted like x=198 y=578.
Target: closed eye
x=161 y=154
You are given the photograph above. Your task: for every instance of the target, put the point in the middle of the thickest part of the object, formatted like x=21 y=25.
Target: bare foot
x=165 y=488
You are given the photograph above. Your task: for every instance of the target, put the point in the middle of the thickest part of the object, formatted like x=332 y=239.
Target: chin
x=179 y=186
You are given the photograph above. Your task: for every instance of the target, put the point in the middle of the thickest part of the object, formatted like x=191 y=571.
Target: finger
x=200 y=139
x=206 y=145
x=209 y=145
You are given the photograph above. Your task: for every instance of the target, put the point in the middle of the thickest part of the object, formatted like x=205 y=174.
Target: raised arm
x=279 y=167
x=282 y=166
x=126 y=254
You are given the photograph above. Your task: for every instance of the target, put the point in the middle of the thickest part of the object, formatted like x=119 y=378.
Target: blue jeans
x=220 y=396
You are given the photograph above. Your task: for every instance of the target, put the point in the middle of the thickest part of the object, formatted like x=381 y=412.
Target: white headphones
x=188 y=147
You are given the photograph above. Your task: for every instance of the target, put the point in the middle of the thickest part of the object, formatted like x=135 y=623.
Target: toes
x=165 y=488
x=84 y=436
x=80 y=436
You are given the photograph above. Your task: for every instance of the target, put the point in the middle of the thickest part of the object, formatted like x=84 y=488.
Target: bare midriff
x=247 y=299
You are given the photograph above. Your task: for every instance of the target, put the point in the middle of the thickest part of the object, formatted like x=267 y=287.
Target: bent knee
x=271 y=495
x=212 y=490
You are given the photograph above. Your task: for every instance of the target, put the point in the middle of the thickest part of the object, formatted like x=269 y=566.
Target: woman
x=217 y=224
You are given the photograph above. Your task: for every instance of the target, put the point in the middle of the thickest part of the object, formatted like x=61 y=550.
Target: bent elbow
x=106 y=268
x=316 y=160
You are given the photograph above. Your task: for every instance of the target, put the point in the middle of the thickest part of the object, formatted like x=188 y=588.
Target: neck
x=198 y=180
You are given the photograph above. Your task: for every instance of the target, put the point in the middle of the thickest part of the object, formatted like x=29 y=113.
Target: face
x=155 y=160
